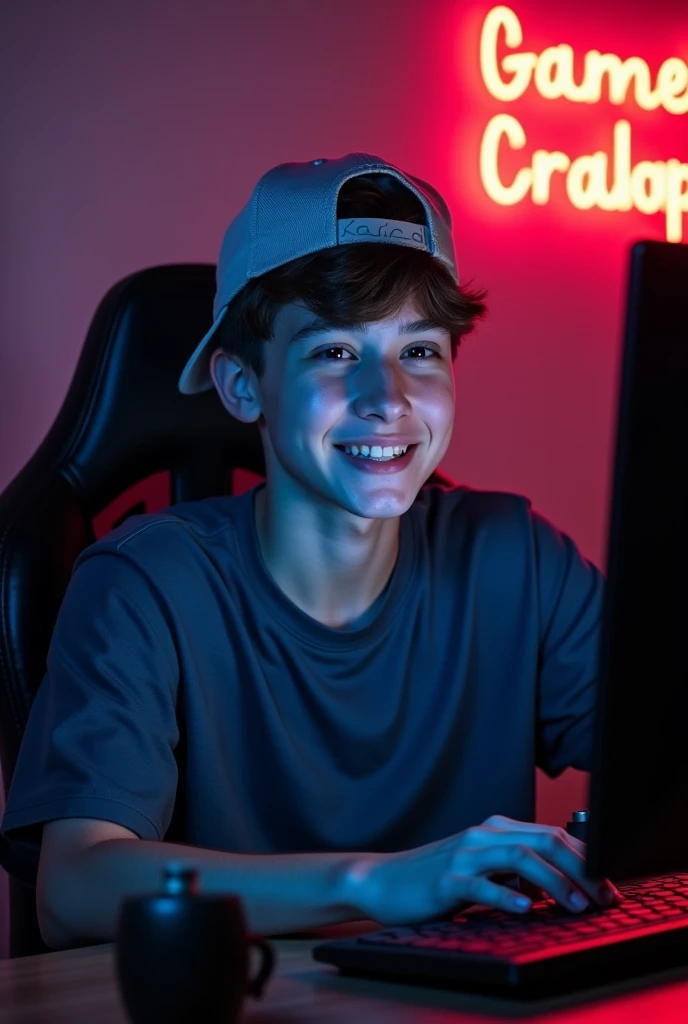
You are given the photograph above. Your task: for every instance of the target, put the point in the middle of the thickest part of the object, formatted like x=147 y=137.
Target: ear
x=236 y=385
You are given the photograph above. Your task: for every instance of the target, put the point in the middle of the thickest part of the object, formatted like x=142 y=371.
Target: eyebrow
x=320 y=326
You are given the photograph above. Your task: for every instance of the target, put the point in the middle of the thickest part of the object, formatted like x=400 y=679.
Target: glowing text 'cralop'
x=649 y=186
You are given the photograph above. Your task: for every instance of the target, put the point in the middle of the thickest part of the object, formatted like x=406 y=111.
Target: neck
x=335 y=580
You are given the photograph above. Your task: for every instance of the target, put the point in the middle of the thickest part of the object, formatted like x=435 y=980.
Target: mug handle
x=255 y=987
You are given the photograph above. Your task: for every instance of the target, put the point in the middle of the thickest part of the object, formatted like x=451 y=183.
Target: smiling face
x=324 y=388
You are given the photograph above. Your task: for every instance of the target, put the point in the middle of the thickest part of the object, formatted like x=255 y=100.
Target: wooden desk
x=78 y=986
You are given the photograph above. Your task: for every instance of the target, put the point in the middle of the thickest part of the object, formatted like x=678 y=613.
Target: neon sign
x=648 y=186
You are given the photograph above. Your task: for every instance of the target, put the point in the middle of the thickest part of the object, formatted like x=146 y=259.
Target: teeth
x=376 y=452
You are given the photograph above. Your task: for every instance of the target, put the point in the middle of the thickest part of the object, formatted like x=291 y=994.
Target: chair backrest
x=122 y=421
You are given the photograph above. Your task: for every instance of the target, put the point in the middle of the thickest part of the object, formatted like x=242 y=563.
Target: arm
x=88 y=867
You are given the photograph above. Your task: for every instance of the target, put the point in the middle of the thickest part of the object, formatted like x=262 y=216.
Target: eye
x=340 y=348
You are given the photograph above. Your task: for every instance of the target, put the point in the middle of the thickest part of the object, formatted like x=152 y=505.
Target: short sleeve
x=570 y=599
x=102 y=730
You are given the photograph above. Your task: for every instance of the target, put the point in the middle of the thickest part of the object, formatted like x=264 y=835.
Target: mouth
x=372 y=465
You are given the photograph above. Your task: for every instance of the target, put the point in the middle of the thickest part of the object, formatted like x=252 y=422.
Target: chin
x=382 y=506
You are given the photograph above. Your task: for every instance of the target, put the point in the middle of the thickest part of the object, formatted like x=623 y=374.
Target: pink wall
x=132 y=133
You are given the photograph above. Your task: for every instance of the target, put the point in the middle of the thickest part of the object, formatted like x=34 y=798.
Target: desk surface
x=79 y=986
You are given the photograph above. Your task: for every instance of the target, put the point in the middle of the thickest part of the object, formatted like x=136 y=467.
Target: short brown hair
x=351 y=284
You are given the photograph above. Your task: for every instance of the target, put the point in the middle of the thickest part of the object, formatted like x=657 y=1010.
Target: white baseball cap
x=293 y=212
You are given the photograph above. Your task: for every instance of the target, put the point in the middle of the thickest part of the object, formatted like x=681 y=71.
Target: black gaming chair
x=122 y=421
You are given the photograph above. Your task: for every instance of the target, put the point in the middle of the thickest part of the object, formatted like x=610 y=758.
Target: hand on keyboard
x=451 y=874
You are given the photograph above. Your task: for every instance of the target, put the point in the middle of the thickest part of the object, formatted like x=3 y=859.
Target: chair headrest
x=123 y=417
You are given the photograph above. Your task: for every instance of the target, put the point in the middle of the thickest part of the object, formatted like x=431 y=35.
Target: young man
x=329 y=694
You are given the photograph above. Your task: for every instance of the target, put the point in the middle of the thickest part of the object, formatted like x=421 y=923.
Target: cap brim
x=196 y=374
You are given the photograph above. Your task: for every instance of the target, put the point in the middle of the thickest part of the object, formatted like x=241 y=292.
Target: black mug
x=182 y=956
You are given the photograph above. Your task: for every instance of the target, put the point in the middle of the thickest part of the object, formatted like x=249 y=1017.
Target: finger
x=513 y=825
x=462 y=890
x=528 y=864
x=553 y=845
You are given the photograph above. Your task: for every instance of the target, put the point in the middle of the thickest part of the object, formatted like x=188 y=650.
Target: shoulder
x=177 y=532
x=499 y=529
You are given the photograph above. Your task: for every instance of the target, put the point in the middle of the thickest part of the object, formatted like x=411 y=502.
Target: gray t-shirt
x=188 y=699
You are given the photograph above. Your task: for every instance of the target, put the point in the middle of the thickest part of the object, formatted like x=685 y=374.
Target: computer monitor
x=638 y=802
